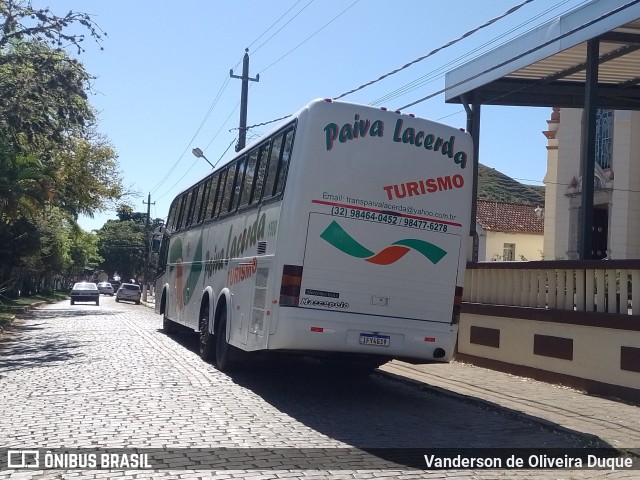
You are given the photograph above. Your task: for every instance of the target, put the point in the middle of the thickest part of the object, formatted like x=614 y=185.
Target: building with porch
x=616 y=185
x=574 y=321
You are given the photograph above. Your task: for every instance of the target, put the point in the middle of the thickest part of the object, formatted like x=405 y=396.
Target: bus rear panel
x=378 y=208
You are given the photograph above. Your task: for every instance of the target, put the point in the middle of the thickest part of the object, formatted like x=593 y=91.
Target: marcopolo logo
x=335 y=235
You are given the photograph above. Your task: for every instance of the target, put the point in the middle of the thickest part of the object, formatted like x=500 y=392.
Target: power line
x=508 y=12
x=177 y=182
x=432 y=52
x=213 y=104
x=268 y=122
x=313 y=35
x=222 y=126
x=435 y=74
x=523 y=54
x=278 y=31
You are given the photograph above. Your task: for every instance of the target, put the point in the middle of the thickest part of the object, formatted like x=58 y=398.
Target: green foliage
x=54 y=166
x=497 y=187
x=122 y=244
x=24 y=185
x=21 y=21
x=44 y=96
x=86 y=176
x=83 y=253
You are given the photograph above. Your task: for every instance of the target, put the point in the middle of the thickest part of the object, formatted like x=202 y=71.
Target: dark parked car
x=130 y=292
x=85 y=292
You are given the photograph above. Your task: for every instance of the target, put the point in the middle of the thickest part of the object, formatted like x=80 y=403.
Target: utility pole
x=242 y=135
x=145 y=268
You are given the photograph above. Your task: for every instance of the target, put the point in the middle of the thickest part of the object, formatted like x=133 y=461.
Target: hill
x=498 y=187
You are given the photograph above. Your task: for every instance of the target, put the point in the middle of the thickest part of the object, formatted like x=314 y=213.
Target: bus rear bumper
x=301 y=329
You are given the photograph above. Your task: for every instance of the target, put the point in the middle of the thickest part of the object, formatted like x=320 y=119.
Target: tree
x=44 y=96
x=54 y=165
x=43 y=89
x=121 y=245
x=83 y=253
x=125 y=212
x=44 y=110
x=24 y=185
x=86 y=176
x=22 y=21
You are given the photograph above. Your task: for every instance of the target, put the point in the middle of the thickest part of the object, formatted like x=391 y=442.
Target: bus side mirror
x=156 y=240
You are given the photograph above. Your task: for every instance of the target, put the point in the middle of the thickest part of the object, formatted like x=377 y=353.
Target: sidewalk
x=616 y=423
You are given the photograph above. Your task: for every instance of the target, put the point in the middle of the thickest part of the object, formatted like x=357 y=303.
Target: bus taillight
x=290 y=287
x=457 y=306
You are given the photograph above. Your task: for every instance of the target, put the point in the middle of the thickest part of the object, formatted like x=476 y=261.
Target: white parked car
x=130 y=292
x=106 y=288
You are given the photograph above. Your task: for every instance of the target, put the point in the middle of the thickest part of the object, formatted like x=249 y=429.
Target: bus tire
x=207 y=341
x=224 y=351
x=167 y=325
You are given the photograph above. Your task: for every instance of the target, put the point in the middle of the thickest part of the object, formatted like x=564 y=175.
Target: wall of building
x=552 y=350
x=492 y=243
x=624 y=209
x=621 y=195
x=563 y=164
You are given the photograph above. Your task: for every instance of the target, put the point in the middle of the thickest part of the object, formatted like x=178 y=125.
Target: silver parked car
x=85 y=292
x=130 y=292
x=106 y=288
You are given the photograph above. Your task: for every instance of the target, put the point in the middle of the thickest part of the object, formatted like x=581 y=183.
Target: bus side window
x=221 y=189
x=283 y=165
x=190 y=206
x=181 y=213
x=163 y=254
x=241 y=165
x=203 y=199
x=249 y=176
x=171 y=218
x=272 y=167
x=260 y=170
x=227 y=195
x=213 y=192
x=193 y=206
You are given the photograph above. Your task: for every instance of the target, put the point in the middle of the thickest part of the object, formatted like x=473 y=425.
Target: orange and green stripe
x=336 y=236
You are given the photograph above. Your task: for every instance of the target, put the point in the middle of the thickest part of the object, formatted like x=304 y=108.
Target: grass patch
x=28 y=301
x=10 y=307
x=5 y=320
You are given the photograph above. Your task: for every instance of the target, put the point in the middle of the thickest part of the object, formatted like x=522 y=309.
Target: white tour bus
x=342 y=234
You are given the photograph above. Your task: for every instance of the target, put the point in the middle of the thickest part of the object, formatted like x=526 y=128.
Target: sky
x=163 y=88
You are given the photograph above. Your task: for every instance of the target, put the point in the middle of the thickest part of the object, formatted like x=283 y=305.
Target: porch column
x=588 y=150
x=473 y=127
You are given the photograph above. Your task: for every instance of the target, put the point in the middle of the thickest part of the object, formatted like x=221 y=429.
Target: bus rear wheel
x=225 y=353
x=167 y=325
x=207 y=341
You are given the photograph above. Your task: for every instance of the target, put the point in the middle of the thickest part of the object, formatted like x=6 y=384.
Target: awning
x=546 y=67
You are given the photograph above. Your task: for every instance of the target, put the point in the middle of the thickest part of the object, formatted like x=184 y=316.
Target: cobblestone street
x=108 y=377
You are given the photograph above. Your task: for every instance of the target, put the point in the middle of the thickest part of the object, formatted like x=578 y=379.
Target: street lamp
x=199 y=154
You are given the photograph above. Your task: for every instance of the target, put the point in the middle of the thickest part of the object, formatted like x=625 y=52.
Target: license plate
x=373 y=339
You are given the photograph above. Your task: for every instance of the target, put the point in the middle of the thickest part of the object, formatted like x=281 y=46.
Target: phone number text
x=388 y=218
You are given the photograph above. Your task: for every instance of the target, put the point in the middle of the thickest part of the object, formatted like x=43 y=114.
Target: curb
x=592 y=440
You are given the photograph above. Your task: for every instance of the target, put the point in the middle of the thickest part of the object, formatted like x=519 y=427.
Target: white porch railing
x=608 y=286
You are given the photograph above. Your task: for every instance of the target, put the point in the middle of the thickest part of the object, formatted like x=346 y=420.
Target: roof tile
x=509 y=217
